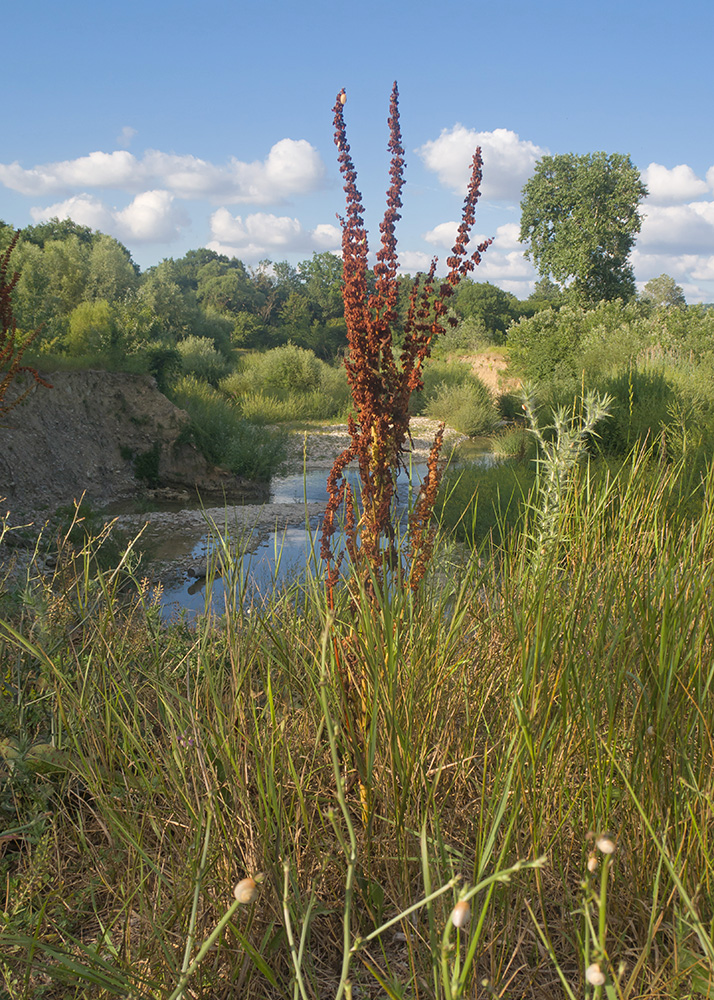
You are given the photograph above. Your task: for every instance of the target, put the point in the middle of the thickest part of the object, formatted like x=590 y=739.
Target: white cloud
x=292 y=167
x=678 y=228
x=667 y=187
x=84 y=209
x=443 y=235
x=327 y=237
x=508 y=160
x=152 y=217
x=125 y=136
x=498 y=267
x=413 y=261
x=117 y=169
x=505 y=237
x=263 y=232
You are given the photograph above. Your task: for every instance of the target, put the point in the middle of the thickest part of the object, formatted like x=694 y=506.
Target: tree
x=112 y=273
x=494 y=307
x=579 y=217
x=321 y=277
x=663 y=291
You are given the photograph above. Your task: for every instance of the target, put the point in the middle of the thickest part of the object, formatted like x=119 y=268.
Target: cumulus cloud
x=152 y=217
x=505 y=237
x=414 y=261
x=263 y=232
x=508 y=160
x=443 y=235
x=125 y=136
x=669 y=186
x=292 y=167
x=678 y=228
x=84 y=209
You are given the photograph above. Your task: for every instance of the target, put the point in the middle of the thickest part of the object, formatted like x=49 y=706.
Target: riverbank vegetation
x=426 y=768
x=525 y=705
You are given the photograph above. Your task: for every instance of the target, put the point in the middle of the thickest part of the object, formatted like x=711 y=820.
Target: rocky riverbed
x=177 y=539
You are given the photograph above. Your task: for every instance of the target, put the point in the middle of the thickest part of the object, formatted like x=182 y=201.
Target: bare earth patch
x=491 y=369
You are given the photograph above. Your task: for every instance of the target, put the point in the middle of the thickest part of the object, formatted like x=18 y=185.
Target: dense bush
x=199 y=357
x=288 y=368
x=436 y=375
x=224 y=437
x=468 y=408
x=288 y=383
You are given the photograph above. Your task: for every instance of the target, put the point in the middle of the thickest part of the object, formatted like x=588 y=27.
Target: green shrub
x=468 y=408
x=514 y=442
x=288 y=368
x=260 y=408
x=199 y=357
x=436 y=375
x=223 y=435
x=262 y=387
x=469 y=336
x=164 y=362
x=146 y=465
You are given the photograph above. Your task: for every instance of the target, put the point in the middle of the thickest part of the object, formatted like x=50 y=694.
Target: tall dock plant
x=382 y=379
x=12 y=344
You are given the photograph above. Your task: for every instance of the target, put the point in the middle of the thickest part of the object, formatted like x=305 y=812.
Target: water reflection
x=277 y=557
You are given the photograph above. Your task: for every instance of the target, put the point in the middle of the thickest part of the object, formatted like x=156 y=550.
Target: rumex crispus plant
x=381 y=382
x=11 y=351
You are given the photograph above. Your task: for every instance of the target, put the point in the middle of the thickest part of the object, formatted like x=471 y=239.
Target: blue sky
x=174 y=125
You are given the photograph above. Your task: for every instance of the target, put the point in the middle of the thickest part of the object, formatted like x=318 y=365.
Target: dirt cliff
x=99 y=433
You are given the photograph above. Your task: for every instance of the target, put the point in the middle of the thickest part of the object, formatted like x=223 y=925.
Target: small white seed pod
x=605 y=844
x=594 y=975
x=246 y=890
x=343 y=97
x=461 y=914
x=592 y=863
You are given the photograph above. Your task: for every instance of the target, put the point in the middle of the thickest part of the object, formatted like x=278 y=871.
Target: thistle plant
x=558 y=455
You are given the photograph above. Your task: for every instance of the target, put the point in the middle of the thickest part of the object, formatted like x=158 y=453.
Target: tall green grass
x=223 y=435
x=286 y=384
x=523 y=708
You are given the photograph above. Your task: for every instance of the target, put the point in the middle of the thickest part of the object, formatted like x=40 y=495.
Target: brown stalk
x=10 y=351
x=381 y=385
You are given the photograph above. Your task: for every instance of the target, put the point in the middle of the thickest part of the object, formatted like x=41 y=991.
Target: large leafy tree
x=579 y=217
x=664 y=292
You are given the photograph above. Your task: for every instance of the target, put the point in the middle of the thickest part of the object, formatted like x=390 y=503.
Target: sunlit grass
x=522 y=708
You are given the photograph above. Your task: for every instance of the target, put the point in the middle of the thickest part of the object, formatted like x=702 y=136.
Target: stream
x=269 y=543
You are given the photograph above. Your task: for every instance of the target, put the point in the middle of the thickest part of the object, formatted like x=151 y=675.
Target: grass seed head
x=594 y=975
x=246 y=891
x=461 y=914
x=605 y=844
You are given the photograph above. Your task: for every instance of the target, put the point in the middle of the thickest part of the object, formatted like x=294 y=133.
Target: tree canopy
x=663 y=292
x=579 y=218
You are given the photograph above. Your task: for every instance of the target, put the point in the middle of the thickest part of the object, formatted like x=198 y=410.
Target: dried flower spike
x=246 y=891
x=461 y=914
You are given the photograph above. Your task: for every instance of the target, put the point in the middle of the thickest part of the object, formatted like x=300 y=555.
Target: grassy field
x=538 y=758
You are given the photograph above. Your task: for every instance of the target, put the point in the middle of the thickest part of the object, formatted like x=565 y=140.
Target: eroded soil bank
x=82 y=439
